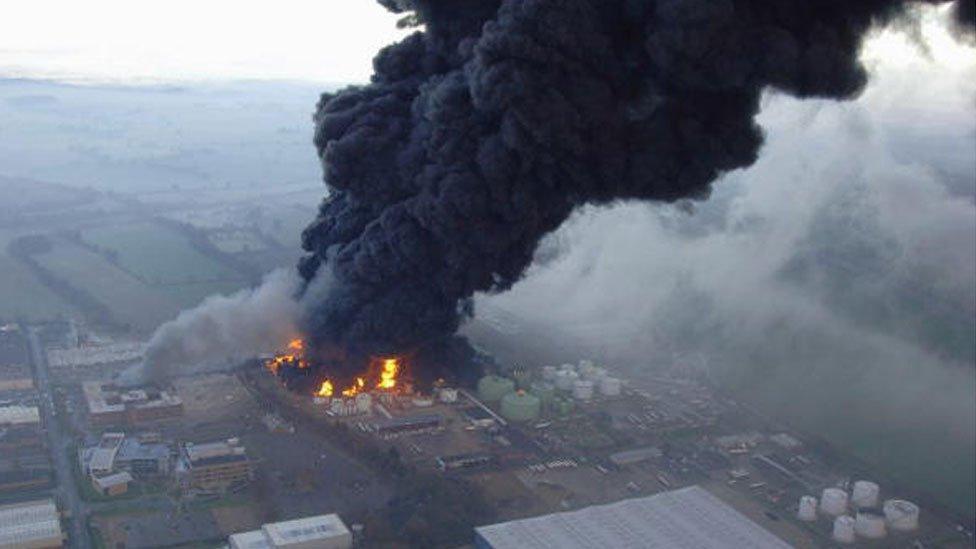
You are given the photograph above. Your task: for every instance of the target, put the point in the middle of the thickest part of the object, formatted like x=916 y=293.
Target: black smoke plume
x=481 y=133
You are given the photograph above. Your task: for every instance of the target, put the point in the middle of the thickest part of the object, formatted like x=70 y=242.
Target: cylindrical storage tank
x=549 y=373
x=596 y=373
x=844 y=529
x=564 y=406
x=448 y=395
x=520 y=406
x=808 y=509
x=865 y=494
x=565 y=380
x=545 y=391
x=363 y=403
x=869 y=525
x=901 y=515
x=610 y=386
x=492 y=388
x=833 y=501
x=583 y=390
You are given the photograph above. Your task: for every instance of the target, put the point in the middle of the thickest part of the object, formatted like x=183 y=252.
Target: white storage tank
x=901 y=515
x=549 y=373
x=583 y=390
x=808 y=509
x=844 y=529
x=610 y=386
x=833 y=501
x=448 y=395
x=865 y=494
x=364 y=403
x=869 y=525
x=565 y=380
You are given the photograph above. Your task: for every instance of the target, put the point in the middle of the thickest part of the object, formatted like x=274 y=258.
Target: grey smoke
x=223 y=329
x=834 y=280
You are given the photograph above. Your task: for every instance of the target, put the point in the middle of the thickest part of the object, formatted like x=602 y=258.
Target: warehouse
x=318 y=532
x=30 y=525
x=687 y=518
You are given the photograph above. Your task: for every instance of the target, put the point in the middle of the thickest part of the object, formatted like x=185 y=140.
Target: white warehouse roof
x=325 y=531
x=19 y=415
x=30 y=524
x=680 y=519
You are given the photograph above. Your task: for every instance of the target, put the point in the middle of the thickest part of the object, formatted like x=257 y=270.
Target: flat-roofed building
x=30 y=525
x=20 y=428
x=112 y=485
x=688 y=518
x=144 y=459
x=214 y=467
x=111 y=405
x=318 y=532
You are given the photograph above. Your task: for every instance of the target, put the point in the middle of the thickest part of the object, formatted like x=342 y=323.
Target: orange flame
x=389 y=374
x=326 y=389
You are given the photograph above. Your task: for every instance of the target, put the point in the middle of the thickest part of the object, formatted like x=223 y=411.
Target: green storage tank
x=492 y=388
x=521 y=406
x=545 y=391
x=564 y=406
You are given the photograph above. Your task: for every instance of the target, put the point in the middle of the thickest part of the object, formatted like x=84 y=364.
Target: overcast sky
x=149 y=40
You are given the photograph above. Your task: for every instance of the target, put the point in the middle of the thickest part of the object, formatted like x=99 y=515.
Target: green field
x=21 y=295
x=158 y=255
x=130 y=300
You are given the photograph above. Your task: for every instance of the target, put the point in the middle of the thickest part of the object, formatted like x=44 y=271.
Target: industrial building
x=15 y=374
x=410 y=424
x=144 y=459
x=318 y=532
x=94 y=357
x=112 y=485
x=213 y=467
x=20 y=428
x=30 y=525
x=687 y=518
x=110 y=405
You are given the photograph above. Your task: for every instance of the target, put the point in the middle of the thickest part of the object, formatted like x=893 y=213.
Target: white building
x=30 y=525
x=680 y=519
x=318 y=532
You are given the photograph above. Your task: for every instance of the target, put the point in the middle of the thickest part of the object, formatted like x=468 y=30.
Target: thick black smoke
x=481 y=134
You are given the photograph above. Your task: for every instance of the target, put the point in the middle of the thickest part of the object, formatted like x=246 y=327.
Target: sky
x=329 y=41
x=135 y=41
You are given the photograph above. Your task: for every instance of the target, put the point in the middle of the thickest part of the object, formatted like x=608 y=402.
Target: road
x=58 y=443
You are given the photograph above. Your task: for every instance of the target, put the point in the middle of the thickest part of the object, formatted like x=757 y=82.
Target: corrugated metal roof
x=255 y=539
x=23 y=523
x=19 y=415
x=306 y=529
x=686 y=518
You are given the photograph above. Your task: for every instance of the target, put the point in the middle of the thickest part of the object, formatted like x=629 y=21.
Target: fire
x=325 y=390
x=389 y=374
x=383 y=378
